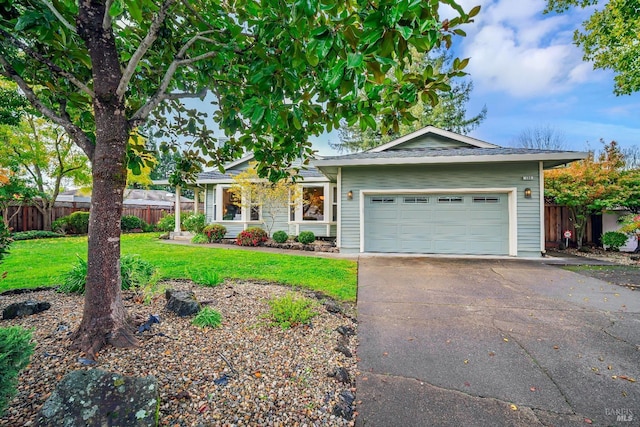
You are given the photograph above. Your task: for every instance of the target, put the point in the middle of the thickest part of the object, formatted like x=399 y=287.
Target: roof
x=550 y=158
x=436 y=131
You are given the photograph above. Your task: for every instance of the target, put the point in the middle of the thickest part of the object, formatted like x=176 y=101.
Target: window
x=450 y=199
x=334 y=204
x=313 y=203
x=486 y=199
x=231 y=209
x=386 y=200
x=417 y=199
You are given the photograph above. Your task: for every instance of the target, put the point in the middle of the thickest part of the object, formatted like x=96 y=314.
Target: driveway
x=448 y=342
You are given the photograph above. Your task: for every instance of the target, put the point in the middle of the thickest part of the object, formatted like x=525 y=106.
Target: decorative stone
x=332 y=307
x=183 y=303
x=346 y=331
x=341 y=348
x=344 y=407
x=25 y=308
x=340 y=374
x=99 y=398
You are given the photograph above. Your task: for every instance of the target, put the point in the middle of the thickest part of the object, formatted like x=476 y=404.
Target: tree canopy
x=610 y=38
x=542 y=137
x=449 y=113
x=279 y=71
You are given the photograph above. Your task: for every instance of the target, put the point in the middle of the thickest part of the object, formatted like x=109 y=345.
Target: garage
x=469 y=223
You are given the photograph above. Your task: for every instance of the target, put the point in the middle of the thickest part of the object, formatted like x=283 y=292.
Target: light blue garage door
x=476 y=224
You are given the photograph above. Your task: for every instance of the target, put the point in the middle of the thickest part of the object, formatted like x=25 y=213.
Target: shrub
x=306 y=237
x=290 y=310
x=15 y=351
x=131 y=222
x=34 y=234
x=200 y=238
x=215 y=232
x=208 y=278
x=5 y=240
x=252 y=236
x=280 y=236
x=208 y=317
x=166 y=223
x=60 y=225
x=194 y=223
x=135 y=273
x=614 y=240
x=79 y=222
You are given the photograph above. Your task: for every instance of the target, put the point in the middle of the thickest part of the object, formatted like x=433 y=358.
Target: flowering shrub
x=215 y=232
x=252 y=236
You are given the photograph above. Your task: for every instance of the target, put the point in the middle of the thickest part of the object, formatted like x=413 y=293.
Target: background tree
x=542 y=137
x=631 y=157
x=46 y=157
x=586 y=187
x=279 y=71
x=610 y=38
x=450 y=113
x=14 y=191
x=272 y=198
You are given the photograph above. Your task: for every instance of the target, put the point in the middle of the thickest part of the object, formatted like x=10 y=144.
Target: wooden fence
x=30 y=218
x=557 y=220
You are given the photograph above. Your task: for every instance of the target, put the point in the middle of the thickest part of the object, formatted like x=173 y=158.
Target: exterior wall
x=454 y=176
x=429 y=141
x=610 y=223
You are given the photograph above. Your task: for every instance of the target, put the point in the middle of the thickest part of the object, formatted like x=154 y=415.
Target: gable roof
x=466 y=140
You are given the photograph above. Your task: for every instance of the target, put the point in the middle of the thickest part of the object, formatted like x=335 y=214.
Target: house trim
x=511 y=192
x=430 y=129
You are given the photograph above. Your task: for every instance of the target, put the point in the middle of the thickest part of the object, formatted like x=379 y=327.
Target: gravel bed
x=622 y=258
x=245 y=372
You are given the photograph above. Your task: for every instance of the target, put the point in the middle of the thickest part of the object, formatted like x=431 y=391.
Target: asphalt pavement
x=453 y=342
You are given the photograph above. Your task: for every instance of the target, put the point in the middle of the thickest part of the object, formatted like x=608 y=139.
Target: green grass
x=43 y=262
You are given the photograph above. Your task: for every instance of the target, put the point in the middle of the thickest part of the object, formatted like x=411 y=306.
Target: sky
x=527 y=71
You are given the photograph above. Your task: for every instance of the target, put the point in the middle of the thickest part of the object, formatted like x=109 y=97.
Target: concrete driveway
x=449 y=342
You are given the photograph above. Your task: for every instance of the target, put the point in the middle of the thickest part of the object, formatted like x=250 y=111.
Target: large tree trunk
x=104 y=318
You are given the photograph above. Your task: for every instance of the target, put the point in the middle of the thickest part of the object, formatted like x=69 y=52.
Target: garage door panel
x=459 y=224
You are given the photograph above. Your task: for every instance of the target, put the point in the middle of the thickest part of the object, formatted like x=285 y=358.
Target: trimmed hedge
x=35 y=234
x=306 y=237
x=280 y=236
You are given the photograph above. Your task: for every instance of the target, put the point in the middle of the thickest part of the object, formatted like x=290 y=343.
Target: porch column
x=177 y=210
x=196 y=197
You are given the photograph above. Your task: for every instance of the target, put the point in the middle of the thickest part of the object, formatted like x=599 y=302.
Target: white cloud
x=516 y=49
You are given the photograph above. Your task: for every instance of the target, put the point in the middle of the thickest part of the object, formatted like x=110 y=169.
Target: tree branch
x=144 y=45
x=53 y=67
x=58 y=15
x=72 y=130
x=106 y=19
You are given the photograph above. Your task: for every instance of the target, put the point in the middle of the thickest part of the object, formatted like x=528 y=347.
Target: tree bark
x=104 y=319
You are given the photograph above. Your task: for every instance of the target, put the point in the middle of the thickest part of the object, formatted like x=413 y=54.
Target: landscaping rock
x=183 y=303
x=25 y=308
x=99 y=398
x=340 y=374
x=341 y=348
x=333 y=307
x=346 y=331
x=344 y=408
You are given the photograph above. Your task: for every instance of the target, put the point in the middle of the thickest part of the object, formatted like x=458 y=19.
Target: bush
x=207 y=278
x=200 y=238
x=15 y=351
x=291 y=310
x=131 y=222
x=614 y=240
x=194 y=223
x=135 y=273
x=208 y=317
x=280 y=236
x=252 y=236
x=79 y=222
x=5 y=240
x=60 y=225
x=35 y=234
x=167 y=223
x=215 y=232
x=306 y=237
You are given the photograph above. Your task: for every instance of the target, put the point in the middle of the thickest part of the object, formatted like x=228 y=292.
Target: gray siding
x=430 y=141
x=209 y=201
x=455 y=176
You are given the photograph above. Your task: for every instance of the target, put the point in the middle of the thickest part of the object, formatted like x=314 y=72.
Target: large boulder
x=25 y=308
x=183 y=303
x=99 y=398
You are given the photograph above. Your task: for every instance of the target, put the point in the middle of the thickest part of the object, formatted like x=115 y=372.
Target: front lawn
x=33 y=263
